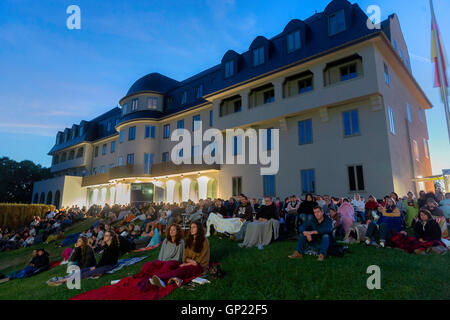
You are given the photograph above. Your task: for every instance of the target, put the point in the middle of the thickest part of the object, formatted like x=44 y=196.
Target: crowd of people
x=182 y=230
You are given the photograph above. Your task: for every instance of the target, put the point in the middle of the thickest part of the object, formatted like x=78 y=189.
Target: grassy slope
x=269 y=274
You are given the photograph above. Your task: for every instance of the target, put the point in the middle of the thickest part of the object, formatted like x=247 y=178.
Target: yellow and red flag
x=439 y=58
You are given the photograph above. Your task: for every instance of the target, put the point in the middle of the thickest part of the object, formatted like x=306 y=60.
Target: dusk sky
x=52 y=77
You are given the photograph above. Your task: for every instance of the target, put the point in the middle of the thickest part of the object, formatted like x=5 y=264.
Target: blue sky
x=52 y=77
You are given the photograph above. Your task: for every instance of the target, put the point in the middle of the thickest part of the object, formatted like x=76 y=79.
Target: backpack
x=336 y=250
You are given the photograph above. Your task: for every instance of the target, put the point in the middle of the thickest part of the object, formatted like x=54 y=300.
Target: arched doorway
x=42 y=199
x=57 y=199
x=193 y=191
x=212 y=189
x=177 y=193
x=36 y=198
x=49 y=198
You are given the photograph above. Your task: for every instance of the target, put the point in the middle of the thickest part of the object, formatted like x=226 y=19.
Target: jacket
x=84 y=261
x=267 y=212
x=110 y=256
x=428 y=232
x=244 y=212
x=326 y=227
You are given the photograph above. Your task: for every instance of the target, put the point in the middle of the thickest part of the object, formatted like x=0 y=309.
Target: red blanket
x=138 y=286
x=409 y=244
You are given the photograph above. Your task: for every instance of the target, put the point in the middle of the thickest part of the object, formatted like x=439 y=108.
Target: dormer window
x=125 y=107
x=184 y=97
x=229 y=68
x=336 y=22
x=199 y=91
x=293 y=41
x=152 y=103
x=258 y=56
x=134 y=104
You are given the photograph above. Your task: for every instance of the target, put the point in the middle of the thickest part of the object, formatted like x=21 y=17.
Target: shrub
x=14 y=215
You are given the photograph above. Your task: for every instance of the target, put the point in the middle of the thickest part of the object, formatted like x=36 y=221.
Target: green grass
x=269 y=274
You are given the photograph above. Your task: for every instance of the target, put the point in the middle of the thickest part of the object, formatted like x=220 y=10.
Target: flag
x=439 y=58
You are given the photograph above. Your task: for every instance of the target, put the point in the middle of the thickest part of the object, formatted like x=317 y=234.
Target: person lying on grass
x=39 y=261
x=315 y=231
x=195 y=259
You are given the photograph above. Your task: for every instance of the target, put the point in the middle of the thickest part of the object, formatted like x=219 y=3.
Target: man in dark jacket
x=317 y=231
x=244 y=212
x=267 y=211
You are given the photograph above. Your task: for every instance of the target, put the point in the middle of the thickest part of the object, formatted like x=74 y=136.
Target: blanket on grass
x=409 y=244
x=125 y=263
x=222 y=225
x=138 y=286
x=260 y=233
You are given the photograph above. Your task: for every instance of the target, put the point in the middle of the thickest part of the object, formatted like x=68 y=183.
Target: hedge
x=14 y=215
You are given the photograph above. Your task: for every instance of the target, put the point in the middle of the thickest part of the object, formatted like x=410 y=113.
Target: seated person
x=338 y=229
x=83 y=255
x=267 y=211
x=315 y=231
x=172 y=247
x=39 y=261
x=389 y=220
x=244 y=212
x=445 y=206
x=438 y=215
x=195 y=259
x=426 y=229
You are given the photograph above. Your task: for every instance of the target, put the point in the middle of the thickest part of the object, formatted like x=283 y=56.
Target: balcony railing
x=157 y=170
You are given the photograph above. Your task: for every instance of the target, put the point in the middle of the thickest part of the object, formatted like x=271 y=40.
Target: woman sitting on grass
x=195 y=261
x=172 y=247
x=427 y=236
x=83 y=255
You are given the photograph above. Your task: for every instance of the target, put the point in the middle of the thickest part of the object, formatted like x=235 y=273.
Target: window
x=63 y=157
x=210 y=118
x=237 y=186
x=238 y=106
x=152 y=103
x=195 y=122
x=425 y=146
x=305 y=132
x=356 y=178
x=102 y=169
x=166 y=133
x=147 y=131
x=416 y=150
x=55 y=159
x=305 y=85
x=120 y=161
x=121 y=136
x=94 y=170
x=96 y=152
x=268 y=139
x=336 y=23
x=131 y=133
x=184 y=97
x=165 y=157
x=386 y=74
x=401 y=54
x=237 y=145
x=269 y=96
x=113 y=147
x=408 y=111
x=308 y=181
x=395 y=45
x=293 y=41
x=258 y=56
x=104 y=149
x=421 y=114
x=125 y=108
x=111 y=165
x=229 y=68
x=152 y=132
x=351 y=123
x=269 y=186
x=134 y=104
x=348 y=72
x=130 y=158
x=148 y=162
x=80 y=152
x=180 y=124
x=199 y=91
x=391 y=120
x=108 y=126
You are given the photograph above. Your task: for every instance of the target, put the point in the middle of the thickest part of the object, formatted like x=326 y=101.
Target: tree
x=17 y=178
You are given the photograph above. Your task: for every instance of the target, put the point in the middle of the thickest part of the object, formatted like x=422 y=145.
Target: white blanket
x=221 y=224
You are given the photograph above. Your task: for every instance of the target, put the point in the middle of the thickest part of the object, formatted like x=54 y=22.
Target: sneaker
x=382 y=244
x=295 y=255
x=158 y=282
x=241 y=245
x=420 y=252
x=321 y=257
x=175 y=280
x=367 y=242
x=260 y=247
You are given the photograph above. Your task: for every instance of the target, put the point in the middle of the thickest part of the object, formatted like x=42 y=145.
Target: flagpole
x=441 y=69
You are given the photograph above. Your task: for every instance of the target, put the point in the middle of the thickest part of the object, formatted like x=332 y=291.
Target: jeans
x=323 y=240
x=25 y=272
x=360 y=216
x=241 y=234
x=383 y=232
x=290 y=224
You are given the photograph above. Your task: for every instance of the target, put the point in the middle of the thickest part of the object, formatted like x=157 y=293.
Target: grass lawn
x=266 y=274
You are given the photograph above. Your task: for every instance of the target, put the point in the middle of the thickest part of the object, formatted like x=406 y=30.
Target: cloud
x=419 y=58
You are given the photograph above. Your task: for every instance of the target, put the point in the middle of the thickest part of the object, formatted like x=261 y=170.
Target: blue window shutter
x=151 y=163
x=272 y=185
x=311 y=181
x=301 y=132
x=355 y=122
x=304 y=181
x=308 y=131
x=235 y=146
x=146 y=163
x=152 y=131
x=269 y=139
x=347 y=126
